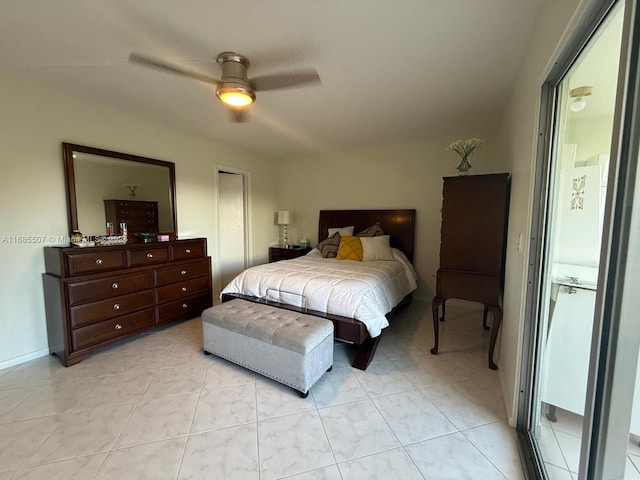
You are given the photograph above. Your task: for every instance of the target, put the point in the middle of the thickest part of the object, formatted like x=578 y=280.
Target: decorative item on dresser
x=96 y=296
x=139 y=215
x=472 y=247
x=280 y=253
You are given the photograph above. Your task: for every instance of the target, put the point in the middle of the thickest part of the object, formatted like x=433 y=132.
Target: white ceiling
x=391 y=71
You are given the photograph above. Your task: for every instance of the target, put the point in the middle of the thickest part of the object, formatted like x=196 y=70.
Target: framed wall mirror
x=103 y=185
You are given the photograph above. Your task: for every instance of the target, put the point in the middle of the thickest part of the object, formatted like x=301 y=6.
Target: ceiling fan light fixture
x=578 y=94
x=236 y=96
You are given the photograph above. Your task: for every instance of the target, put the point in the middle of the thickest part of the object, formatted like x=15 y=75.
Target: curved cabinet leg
x=444 y=303
x=496 y=311
x=484 y=318
x=435 y=304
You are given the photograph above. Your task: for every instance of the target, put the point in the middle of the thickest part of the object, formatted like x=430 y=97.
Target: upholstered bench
x=292 y=348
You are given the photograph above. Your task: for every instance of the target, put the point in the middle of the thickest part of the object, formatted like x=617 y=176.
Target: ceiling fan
x=234 y=89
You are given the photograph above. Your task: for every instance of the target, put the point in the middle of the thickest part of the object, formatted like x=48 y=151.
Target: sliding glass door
x=580 y=414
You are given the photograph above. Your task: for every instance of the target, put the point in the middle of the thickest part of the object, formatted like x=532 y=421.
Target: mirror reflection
x=105 y=186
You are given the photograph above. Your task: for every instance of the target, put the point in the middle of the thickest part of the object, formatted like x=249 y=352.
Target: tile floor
x=560 y=443
x=155 y=407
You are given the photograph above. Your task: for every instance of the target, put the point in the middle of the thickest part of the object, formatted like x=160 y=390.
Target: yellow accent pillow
x=350 y=248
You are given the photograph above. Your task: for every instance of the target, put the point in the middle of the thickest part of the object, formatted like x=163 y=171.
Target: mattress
x=364 y=290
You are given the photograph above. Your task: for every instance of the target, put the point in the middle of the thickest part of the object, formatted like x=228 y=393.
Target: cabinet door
x=473 y=223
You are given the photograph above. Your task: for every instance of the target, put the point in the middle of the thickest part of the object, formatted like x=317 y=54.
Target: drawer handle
x=116 y=306
x=118 y=326
x=183 y=272
x=188 y=250
x=99 y=261
x=184 y=289
x=149 y=255
x=114 y=285
x=184 y=305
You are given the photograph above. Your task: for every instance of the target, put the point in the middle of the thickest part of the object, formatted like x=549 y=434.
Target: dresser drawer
x=189 y=250
x=91 y=262
x=184 y=308
x=109 y=329
x=182 y=289
x=148 y=256
x=186 y=271
x=92 y=290
x=106 y=309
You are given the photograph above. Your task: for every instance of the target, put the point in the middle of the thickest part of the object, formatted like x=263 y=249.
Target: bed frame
x=400 y=225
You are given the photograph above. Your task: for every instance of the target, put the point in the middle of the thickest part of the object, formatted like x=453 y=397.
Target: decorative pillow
x=374 y=230
x=329 y=247
x=376 y=248
x=350 y=248
x=343 y=231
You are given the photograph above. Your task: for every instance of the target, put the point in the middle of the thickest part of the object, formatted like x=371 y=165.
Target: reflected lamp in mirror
x=578 y=94
x=284 y=219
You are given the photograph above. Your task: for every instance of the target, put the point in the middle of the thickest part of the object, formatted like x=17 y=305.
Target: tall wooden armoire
x=473 y=246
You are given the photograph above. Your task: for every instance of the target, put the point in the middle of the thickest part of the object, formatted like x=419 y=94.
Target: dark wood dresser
x=279 y=253
x=473 y=247
x=98 y=295
x=141 y=216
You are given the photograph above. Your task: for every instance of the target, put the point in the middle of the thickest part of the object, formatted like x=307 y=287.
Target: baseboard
x=23 y=358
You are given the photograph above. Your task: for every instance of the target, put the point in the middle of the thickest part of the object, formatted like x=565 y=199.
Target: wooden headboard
x=399 y=224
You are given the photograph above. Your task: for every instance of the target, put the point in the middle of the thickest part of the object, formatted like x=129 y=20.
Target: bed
x=358 y=297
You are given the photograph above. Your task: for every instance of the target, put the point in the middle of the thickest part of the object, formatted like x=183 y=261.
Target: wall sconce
x=284 y=218
x=578 y=95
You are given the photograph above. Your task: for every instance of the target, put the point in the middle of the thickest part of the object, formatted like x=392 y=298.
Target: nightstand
x=279 y=253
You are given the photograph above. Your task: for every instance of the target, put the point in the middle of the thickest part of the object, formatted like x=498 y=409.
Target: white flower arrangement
x=464 y=149
x=132 y=188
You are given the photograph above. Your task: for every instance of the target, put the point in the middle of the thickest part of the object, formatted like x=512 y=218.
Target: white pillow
x=376 y=248
x=344 y=231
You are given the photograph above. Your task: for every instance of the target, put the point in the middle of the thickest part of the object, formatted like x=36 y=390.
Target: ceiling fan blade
x=300 y=78
x=168 y=67
x=239 y=115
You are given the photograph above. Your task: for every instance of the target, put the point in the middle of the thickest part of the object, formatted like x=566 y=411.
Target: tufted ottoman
x=290 y=347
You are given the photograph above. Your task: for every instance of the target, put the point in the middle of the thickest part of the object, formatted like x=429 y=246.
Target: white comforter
x=366 y=291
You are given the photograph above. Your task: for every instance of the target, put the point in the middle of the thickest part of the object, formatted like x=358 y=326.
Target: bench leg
x=205 y=352
x=303 y=395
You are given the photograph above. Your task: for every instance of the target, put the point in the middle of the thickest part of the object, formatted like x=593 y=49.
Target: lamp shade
x=284 y=217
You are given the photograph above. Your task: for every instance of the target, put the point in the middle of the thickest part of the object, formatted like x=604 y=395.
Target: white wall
x=33 y=124
x=519 y=134
x=395 y=176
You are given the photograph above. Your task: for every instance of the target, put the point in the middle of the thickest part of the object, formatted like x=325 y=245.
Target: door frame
x=594 y=14
x=217 y=265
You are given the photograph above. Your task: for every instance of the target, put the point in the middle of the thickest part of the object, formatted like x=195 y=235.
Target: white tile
x=338 y=386
x=291 y=445
x=464 y=405
x=499 y=443
x=52 y=399
x=112 y=390
x=570 y=446
x=225 y=407
x=383 y=378
x=557 y=473
x=159 y=419
x=549 y=448
x=84 y=433
x=230 y=454
x=75 y=469
x=325 y=473
x=176 y=381
x=222 y=373
x=151 y=460
x=631 y=471
x=567 y=422
x=635 y=460
x=276 y=400
x=413 y=417
x=452 y=457
x=19 y=440
x=392 y=464
x=356 y=429
x=10 y=399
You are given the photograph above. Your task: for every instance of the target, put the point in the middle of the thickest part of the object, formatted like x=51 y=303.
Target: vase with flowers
x=464 y=148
